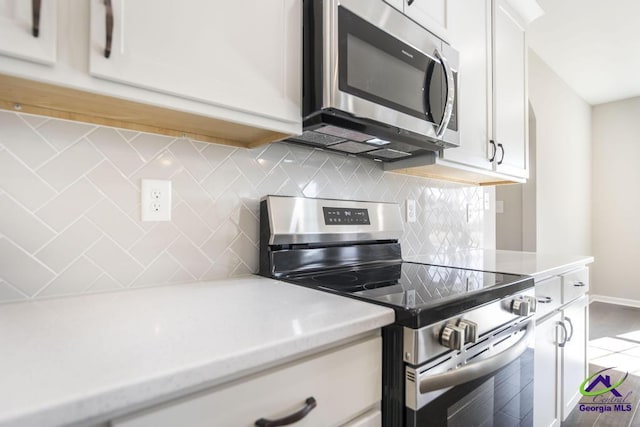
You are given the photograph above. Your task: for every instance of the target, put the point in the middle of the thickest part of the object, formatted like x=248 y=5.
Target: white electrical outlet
x=411 y=210
x=155 y=200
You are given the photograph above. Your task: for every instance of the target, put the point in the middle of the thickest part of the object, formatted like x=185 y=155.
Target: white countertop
x=81 y=359
x=533 y=264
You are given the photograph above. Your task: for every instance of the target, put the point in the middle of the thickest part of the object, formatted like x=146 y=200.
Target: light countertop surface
x=538 y=265
x=89 y=358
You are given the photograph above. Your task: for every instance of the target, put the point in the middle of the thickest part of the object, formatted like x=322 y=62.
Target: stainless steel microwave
x=375 y=83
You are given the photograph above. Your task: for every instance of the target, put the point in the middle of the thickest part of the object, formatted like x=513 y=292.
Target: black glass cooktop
x=421 y=294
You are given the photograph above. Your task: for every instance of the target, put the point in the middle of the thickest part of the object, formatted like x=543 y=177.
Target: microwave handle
x=451 y=95
x=478 y=369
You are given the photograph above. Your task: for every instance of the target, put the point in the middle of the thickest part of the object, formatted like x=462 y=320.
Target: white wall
x=563 y=163
x=616 y=201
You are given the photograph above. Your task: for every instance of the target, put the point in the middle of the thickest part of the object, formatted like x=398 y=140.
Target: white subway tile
x=22 y=183
x=70 y=164
x=159 y=271
x=155 y=241
x=115 y=186
x=22 y=226
x=113 y=259
x=115 y=223
x=25 y=143
x=20 y=269
x=69 y=205
x=191 y=159
x=62 y=133
x=116 y=149
x=189 y=257
x=69 y=245
x=74 y=280
x=148 y=145
x=9 y=293
x=190 y=224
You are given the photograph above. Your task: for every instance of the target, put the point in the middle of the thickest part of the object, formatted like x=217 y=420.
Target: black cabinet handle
x=310 y=403
x=501 y=157
x=109 y=28
x=35 y=17
x=409 y=2
x=544 y=300
x=579 y=284
x=495 y=150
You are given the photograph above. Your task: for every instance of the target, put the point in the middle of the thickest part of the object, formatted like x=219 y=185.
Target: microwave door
x=382 y=78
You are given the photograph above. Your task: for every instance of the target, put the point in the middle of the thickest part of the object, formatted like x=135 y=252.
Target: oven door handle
x=451 y=95
x=477 y=369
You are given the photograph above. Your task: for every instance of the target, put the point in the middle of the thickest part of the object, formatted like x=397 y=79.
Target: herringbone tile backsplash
x=70 y=206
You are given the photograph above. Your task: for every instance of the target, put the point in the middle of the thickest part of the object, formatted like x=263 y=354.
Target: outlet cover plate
x=155 y=200
x=411 y=210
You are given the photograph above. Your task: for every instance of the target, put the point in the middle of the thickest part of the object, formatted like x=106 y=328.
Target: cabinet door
x=468 y=23
x=431 y=14
x=509 y=89
x=240 y=55
x=546 y=411
x=574 y=354
x=17 y=24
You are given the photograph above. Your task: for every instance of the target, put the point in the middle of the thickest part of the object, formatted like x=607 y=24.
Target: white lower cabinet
x=346 y=384
x=562 y=335
x=547 y=373
x=574 y=361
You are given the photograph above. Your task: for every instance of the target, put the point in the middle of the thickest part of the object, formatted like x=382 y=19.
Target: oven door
x=493 y=386
x=386 y=68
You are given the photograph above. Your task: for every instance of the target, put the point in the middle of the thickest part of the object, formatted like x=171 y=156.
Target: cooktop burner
x=420 y=293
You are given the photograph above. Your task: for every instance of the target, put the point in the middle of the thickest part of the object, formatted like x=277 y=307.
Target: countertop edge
x=102 y=405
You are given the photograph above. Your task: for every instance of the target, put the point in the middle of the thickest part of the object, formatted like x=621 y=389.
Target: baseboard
x=614 y=300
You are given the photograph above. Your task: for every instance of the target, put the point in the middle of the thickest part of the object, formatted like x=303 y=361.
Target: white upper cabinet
x=244 y=56
x=28 y=29
x=468 y=23
x=510 y=92
x=431 y=14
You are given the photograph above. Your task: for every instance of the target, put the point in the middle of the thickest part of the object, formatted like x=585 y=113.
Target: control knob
x=470 y=330
x=523 y=306
x=452 y=337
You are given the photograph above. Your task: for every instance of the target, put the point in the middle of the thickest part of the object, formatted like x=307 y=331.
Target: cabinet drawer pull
x=35 y=17
x=501 y=157
x=310 y=403
x=545 y=300
x=570 y=324
x=495 y=150
x=409 y=2
x=566 y=334
x=579 y=284
x=109 y=28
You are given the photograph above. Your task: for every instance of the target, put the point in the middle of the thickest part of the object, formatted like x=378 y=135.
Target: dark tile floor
x=614 y=341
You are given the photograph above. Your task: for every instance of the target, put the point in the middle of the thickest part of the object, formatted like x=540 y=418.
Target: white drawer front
x=372 y=418
x=344 y=382
x=575 y=284
x=548 y=296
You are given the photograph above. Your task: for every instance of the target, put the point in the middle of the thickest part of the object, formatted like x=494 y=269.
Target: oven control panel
x=345 y=216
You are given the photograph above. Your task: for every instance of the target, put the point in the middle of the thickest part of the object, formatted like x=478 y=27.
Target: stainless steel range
x=460 y=352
